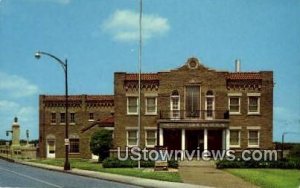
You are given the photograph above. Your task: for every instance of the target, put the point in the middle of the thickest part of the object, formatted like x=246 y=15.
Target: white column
x=161 y=137
x=183 y=143
x=205 y=139
x=227 y=139
x=224 y=139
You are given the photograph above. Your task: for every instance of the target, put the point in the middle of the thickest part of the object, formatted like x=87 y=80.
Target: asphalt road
x=17 y=175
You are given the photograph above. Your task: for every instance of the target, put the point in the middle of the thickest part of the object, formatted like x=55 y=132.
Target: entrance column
x=227 y=139
x=161 y=137
x=183 y=143
x=205 y=143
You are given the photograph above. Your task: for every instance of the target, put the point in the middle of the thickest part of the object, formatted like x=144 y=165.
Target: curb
x=129 y=180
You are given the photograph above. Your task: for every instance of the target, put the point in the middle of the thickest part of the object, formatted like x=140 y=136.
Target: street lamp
x=65 y=67
x=282 y=141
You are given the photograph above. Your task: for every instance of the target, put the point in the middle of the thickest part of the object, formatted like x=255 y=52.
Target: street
x=17 y=175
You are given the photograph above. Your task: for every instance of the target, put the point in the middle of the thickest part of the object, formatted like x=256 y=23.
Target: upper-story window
x=62 y=118
x=234 y=102
x=72 y=118
x=132 y=105
x=253 y=103
x=209 y=105
x=192 y=101
x=151 y=105
x=91 y=116
x=53 y=117
x=175 y=105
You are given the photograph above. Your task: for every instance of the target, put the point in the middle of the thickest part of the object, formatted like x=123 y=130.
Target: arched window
x=175 y=105
x=209 y=105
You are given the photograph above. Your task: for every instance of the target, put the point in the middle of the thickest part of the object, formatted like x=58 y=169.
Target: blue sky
x=100 y=37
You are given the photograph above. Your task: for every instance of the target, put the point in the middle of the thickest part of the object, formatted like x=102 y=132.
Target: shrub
x=258 y=164
x=113 y=162
x=101 y=142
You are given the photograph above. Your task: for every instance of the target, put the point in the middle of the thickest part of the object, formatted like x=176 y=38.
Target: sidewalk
x=112 y=177
x=205 y=173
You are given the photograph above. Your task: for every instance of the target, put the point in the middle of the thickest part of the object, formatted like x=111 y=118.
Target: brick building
x=185 y=108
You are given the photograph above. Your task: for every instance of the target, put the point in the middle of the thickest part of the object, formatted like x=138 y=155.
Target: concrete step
x=197 y=163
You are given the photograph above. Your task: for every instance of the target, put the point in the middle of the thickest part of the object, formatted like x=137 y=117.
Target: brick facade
x=211 y=105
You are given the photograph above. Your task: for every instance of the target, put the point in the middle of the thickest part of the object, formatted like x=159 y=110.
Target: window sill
x=74 y=153
x=151 y=114
x=72 y=123
x=235 y=146
x=91 y=120
x=133 y=114
x=253 y=114
x=62 y=123
x=235 y=113
x=52 y=123
x=253 y=147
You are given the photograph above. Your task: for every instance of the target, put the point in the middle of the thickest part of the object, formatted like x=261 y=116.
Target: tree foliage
x=101 y=142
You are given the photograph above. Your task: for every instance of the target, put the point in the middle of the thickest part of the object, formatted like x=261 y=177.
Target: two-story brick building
x=185 y=108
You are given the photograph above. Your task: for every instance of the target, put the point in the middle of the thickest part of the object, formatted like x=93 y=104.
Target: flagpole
x=140 y=70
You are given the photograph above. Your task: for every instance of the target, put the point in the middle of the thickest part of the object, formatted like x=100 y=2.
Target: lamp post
x=282 y=141
x=64 y=65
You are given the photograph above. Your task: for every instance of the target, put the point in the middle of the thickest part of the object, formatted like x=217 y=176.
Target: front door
x=172 y=139
x=50 y=148
x=194 y=140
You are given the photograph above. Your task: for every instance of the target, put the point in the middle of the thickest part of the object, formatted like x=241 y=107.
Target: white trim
x=146 y=137
x=234 y=94
x=239 y=139
x=146 y=106
x=131 y=128
x=109 y=128
x=253 y=94
x=235 y=128
x=234 y=113
x=171 y=106
x=132 y=95
x=150 y=128
x=253 y=127
x=150 y=94
x=258 y=106
x=128 y=137
x=258 y=139
x=161 y=136
x=132 y=113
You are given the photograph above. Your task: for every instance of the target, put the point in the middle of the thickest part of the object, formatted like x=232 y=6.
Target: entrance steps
x=197 y=163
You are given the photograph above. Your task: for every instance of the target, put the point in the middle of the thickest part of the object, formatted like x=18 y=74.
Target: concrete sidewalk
x=205 y=173
x=113 y=177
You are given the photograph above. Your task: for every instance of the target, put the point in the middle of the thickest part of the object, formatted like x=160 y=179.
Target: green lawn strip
x=88 y=165
x=269 y=178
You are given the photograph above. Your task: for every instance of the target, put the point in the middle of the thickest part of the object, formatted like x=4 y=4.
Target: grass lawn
x=267 y=178
x=93 y=166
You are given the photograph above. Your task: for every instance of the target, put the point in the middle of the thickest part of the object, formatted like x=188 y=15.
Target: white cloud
x=123 y=25
x=16 y=86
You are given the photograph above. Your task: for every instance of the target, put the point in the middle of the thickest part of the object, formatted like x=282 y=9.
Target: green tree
x=101 y=142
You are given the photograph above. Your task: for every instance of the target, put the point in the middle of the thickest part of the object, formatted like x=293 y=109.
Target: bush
x=101 y=142
x=258 y=164
x=113 y=162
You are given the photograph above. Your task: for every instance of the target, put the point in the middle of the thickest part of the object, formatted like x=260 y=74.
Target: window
x=234 y=105
x=151 y=105
x=132 y=105
x=91 y=116
x=253 y=105
x=53 y=117
x=150 y=138
x=234 y=138
x=175 y=105
x=62 y=118
x=132 y=138
x=209 y=105
x=192 y=101
x=253 y=138
x=74 y=145
x=72 y=120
